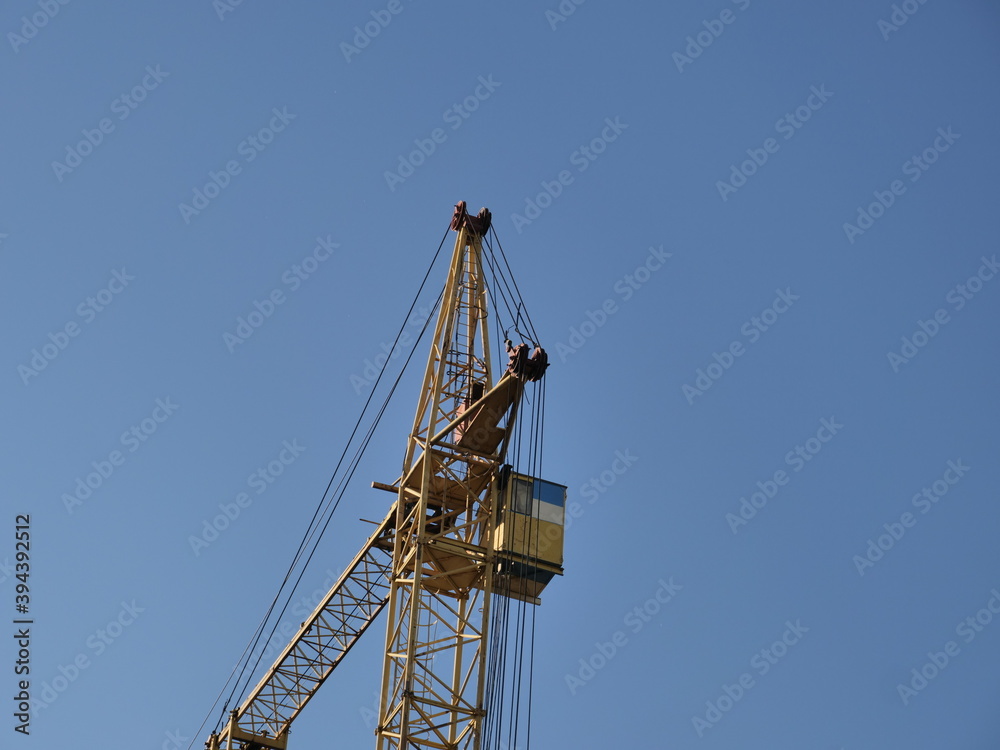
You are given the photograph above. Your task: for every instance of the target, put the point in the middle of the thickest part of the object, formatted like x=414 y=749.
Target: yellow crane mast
x=464 y=527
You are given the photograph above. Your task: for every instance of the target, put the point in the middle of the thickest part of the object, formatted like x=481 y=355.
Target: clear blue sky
x=758 y=240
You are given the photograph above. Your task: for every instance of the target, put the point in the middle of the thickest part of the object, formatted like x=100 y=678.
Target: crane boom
x=322 y=641
x=463 y=528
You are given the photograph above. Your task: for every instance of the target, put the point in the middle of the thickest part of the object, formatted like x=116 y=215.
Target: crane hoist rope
x=317 y=525
x=468 y=524
x=325 y=508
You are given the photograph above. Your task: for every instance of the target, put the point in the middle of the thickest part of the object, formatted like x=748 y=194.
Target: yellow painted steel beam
x=320 y=644
x=434 y=670
x=433 y=559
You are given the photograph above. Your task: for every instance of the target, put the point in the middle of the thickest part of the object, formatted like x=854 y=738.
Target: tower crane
x=466 y=527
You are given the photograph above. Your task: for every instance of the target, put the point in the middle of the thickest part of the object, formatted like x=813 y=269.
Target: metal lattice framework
x=431 y=558
x=442 y=571
x=322 y=641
